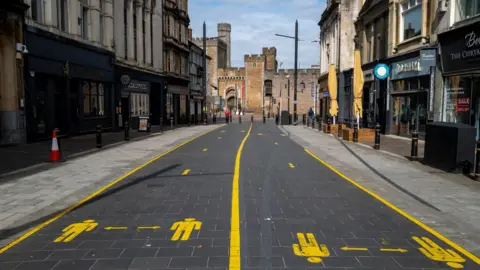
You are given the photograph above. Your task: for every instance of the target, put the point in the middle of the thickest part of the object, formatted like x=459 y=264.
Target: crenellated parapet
x=269 y=51
x=254 y=58
x=231 y=72
x=224 y=27
x=300 y=72
x=210 y=42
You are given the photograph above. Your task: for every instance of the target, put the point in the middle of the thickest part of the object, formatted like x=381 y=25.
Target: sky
x=255 y=23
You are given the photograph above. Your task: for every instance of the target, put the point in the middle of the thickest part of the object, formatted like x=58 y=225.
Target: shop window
x=169 y=104
x=411 y=18
x=93 y=99
x=140 y=104
x=457 y=99
x=466 y=9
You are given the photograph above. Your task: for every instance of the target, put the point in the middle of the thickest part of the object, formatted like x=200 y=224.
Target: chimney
x=189 y=33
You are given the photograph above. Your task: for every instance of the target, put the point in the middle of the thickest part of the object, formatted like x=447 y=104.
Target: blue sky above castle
x=255 y=22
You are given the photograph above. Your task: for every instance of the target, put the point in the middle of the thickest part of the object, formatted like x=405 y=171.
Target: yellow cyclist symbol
x=73 y=230
x=436 y=253
x=310 y=249
x=186 y=227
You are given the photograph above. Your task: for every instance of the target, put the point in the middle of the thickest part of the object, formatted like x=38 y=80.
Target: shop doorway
x=410 y=113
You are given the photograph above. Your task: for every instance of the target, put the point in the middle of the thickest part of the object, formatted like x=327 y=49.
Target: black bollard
x=171 y=123
x=226 y=119
x=304 y=119
x=329 y=128
x=355 y=132
x=320 y=123
x=276 y=119
x=161 y=124
x=239 y=119
x=205 y=120
x=230 y=116
x=376 y=146
x=99 y=136
x=127 y=131
x=251 y=118
x=264 y=119
x=414 y=150
x=339 y=131
x=214 y=118
x=477 y=162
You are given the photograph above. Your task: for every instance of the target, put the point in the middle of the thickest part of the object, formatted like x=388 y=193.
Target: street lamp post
x=204 y=81
x=295 y=73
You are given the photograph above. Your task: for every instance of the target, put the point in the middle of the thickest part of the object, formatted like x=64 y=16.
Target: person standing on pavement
x=227 y=115
x=310 y=115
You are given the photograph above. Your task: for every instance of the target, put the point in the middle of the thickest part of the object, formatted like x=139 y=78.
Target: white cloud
x=255 y=23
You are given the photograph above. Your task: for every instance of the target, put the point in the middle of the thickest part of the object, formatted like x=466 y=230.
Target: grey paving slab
x=130 y=225
x=280 y=201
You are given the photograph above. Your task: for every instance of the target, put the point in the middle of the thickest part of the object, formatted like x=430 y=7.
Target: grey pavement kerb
x=28 y=200
x=456 y=197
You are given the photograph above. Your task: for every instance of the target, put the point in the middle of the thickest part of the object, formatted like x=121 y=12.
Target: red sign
x=463 y=105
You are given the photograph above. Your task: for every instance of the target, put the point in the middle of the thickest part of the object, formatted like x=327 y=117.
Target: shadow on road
x=6 y=233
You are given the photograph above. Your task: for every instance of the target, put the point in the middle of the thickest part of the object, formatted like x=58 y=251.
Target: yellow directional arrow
x=394 y=250
x=111 y=228
x=291 y=165
x=148 y=227
x=353 y=249
x=205 y=150
x=186 y=171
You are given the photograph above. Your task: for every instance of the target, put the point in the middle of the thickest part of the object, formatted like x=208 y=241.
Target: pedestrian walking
x=310 y=115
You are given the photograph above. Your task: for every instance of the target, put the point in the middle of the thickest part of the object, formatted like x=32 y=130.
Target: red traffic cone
x=55 y=151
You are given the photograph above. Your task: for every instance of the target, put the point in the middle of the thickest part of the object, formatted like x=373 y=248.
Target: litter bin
x=144 y=123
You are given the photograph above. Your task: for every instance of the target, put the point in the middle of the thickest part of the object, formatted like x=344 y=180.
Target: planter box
x=364 y=134
x=333 y=128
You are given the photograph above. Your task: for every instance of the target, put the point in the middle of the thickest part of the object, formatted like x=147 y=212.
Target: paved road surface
x=208 y=205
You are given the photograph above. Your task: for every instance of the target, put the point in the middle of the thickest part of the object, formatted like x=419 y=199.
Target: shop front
x=139 y=95
x=345 y=97
x=461 y=70
x=323 y=96
x=69 y=86
x=176 y=101
x=411 y=86
x=196 y=100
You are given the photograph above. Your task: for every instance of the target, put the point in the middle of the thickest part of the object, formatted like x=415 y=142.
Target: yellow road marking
x=205 y=150
x=96 y=193
x=234 y=259
x=185 y=227
x=402 y=250
x=219 y=138
x=148 y=227
x=222 y=131
x=432 y=231
x=353 y=249
x=436 y=253
x=242 y=131
x=276 y=143
x=310 y=248
x=291 y=165
x=260 y=134
x=75 y=229
x=111 y=228
x=283 y=135
x=186 y=171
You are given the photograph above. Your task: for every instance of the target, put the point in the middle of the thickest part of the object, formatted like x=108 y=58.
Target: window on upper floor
x=180 y=32
x=411 y=19
x=84 y=11
x=35 y=8
x=144 y=44
x=62 y=11
x=174 y=26
x=125 y=28
x=465 y=9
x=101 y=35
x=135 y=56
x=180 y=4
x=169 y=61
x=186 y=33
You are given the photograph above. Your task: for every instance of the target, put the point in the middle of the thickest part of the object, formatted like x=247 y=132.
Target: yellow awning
x=357 y=84
x=332 y=89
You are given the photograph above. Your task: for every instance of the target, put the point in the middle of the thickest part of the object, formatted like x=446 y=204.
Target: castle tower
x=224 y=30
x=270 y=58
x=254 y=77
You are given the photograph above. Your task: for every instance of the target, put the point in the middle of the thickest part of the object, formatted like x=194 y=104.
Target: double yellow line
x=235 y=259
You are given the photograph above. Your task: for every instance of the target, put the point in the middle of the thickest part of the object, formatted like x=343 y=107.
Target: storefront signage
x=75 y=71
x=409 y=68
x=428 y=57
x=368 y=75
x=381 y=71
x=138 y=86
x=463 y=105
x=461 y=48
